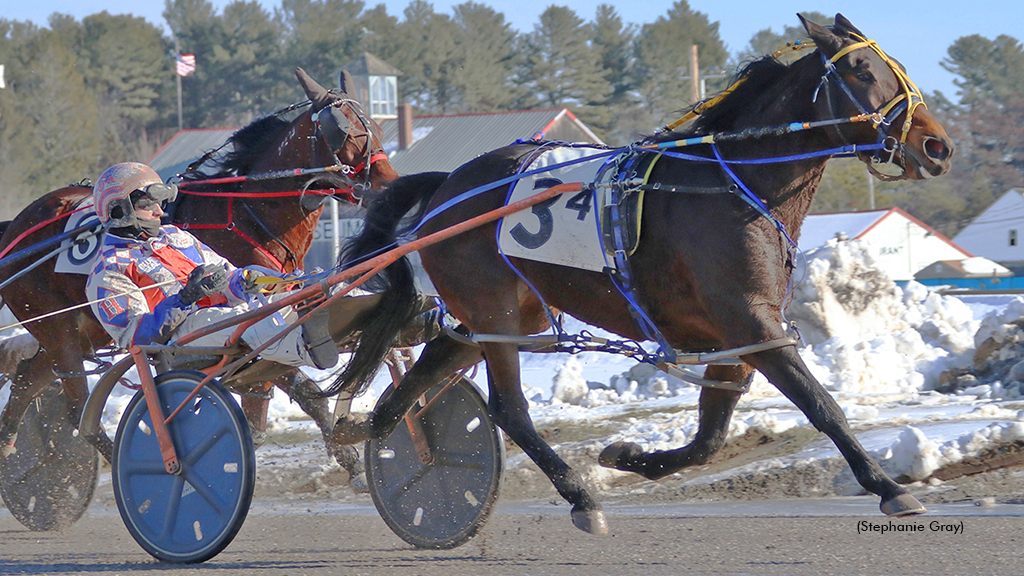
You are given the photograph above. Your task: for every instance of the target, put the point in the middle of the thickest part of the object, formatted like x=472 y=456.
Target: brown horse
x=245 y=224
x=711 y=272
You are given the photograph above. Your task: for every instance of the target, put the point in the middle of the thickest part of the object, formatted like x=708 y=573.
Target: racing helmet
x=112 y=193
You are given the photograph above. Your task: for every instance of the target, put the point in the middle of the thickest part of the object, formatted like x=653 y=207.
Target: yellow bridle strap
x=700 y=107
x=910 y=92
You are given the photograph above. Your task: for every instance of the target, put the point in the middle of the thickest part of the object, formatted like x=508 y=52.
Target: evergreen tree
x=425 y=54
x=663 y=58
x=321 y=35
x=127 y=69
x=61 y=131
x=485 y=59
x=614 y=43
x=561 y=68
x=381 y=34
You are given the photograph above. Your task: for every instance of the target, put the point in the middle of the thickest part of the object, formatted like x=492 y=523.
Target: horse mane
x=760 y=77
x=246 y=146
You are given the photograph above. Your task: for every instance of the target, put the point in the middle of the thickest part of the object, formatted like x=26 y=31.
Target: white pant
x=290 y=350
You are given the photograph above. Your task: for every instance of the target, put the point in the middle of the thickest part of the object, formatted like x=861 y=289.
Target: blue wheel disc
x=191 y=516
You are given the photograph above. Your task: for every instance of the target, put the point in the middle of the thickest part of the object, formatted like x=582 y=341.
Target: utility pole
x=694 y=75
x=871 y=190
x=177 y=77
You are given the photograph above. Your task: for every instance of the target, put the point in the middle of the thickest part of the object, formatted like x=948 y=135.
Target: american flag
x=186 y=64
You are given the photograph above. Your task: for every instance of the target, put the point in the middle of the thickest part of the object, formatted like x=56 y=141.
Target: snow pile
x=997 y=370
x=864 y=335
x=914 y=457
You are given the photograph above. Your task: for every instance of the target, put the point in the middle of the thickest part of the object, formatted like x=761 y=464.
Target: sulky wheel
x=440 y=503
x=48 y=483
x=191 y=516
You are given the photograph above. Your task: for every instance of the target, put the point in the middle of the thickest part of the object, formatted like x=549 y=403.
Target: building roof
x=447 y=142
x=367 y=64
x=818 y=229
x=976 y=267
x=185 y=147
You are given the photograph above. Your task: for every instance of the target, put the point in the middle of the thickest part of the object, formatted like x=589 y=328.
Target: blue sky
x=917 y=33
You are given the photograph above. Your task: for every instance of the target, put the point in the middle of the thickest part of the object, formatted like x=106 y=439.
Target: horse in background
x=242 y=221
x=713 y=266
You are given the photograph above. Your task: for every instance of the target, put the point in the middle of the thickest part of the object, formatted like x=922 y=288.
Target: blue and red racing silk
x=135 y=283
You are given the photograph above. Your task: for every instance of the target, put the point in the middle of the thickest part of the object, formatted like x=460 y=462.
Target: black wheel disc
x=440 y=504
x=48 y=483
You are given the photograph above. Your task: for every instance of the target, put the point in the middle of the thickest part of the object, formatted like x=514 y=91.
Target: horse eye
x=866 y=77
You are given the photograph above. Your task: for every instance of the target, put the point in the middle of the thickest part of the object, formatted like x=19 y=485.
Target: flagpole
x=177 y=77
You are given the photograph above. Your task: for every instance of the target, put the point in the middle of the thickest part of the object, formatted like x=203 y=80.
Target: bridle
x=334 y=128
x=331 y=125
x=907 y=99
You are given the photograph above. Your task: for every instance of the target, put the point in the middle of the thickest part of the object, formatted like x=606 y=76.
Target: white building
x=903 y=244
x=998 y=232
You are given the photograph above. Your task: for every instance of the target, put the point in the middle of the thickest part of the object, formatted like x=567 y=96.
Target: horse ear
x=825 y=39
x=346 y=81
x=316 y=93
x=847 y=27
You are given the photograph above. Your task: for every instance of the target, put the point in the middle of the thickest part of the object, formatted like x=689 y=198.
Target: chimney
x=404 y=126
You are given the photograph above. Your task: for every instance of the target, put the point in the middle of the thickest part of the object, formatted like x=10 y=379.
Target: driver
x=152 y=281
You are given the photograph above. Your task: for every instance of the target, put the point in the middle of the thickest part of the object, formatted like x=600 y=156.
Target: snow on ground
x=896 y=359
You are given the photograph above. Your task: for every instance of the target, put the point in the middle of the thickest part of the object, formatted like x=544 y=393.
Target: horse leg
x=440 y=357
x=255 y=406
x=509 y=409
x=305 y=393
x=786 y=370
x=76 y=389
x=31 y=378
x=716 y=408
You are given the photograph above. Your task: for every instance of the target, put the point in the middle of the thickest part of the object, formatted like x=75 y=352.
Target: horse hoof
x=590 y=521
x=614 y=455
x=902 y=505
x=351 y=429
x=358 y=484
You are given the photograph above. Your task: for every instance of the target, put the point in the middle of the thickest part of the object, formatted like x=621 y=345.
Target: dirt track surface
x=305 y=520
x=538 y=538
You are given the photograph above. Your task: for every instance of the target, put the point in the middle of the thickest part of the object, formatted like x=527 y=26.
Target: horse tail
x=399 y=300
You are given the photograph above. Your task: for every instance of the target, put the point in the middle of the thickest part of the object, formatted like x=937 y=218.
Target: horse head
x=860 y=79
x=354 y=139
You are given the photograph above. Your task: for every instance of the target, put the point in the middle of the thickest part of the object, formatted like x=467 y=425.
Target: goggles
x=146 y=198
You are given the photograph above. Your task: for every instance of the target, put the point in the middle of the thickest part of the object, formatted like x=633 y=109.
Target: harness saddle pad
x=563 y=230
x=78 y=258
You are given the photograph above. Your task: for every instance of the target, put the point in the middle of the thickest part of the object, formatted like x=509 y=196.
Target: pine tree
x=614 y=43
x=486 y=58
x=561 y=68
x=663 y=58
x=425 y=54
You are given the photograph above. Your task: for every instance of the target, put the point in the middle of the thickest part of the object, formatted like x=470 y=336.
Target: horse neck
x=787 y=188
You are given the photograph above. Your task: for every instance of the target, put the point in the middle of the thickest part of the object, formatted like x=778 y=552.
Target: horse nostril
x=936 y=150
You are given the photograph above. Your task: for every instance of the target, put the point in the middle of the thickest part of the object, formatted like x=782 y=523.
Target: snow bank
x=863 y=335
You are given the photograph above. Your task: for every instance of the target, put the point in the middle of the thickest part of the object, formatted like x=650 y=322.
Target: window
x=383 y=95
x=1013 y=237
